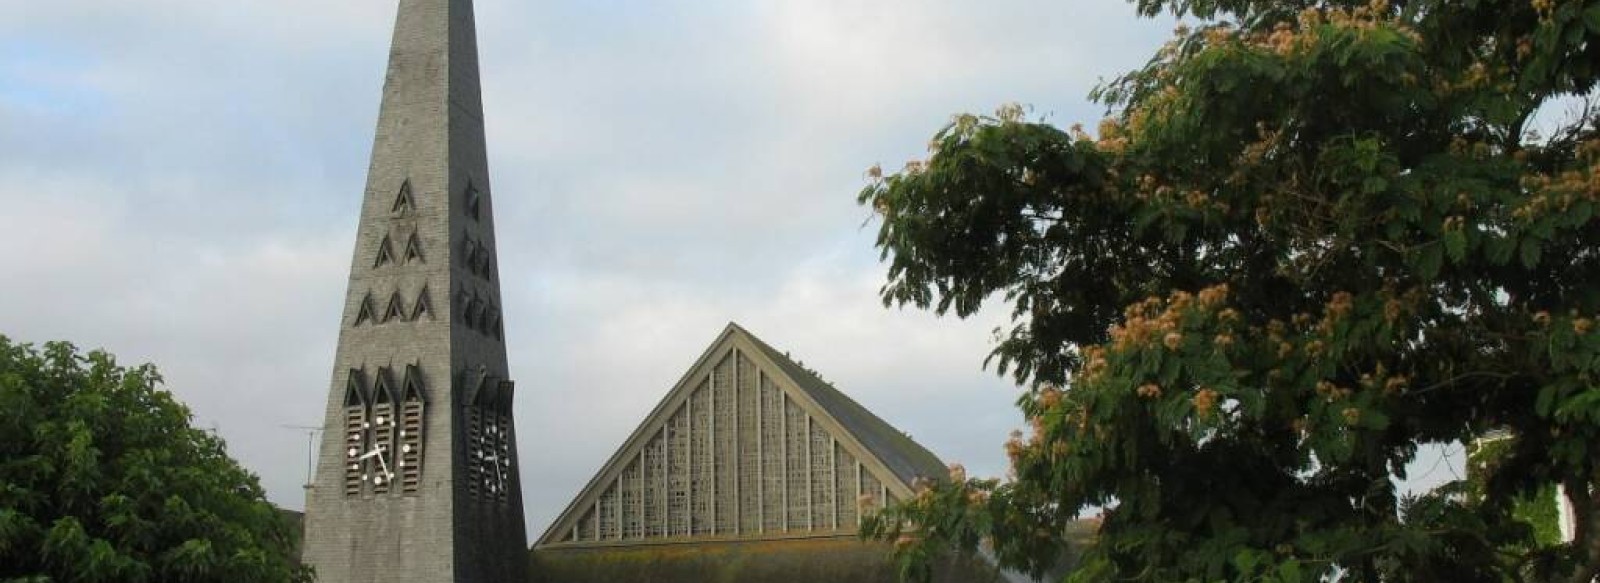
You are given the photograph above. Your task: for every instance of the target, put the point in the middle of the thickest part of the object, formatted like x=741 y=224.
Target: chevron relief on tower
x=478 y=259
x=385 y=253
x=742 y=449
x=473 y=202
x=413 y=249
x=402 y=201
x=423 y=306
x=397 y=310
x=480 y=314
x=364 y=314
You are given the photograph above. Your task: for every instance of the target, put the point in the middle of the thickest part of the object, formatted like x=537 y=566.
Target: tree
x=103 y=479
x=1312 y=237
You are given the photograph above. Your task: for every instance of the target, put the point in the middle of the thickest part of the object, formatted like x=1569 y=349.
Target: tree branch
x=1584 y=523
x=1461 y=377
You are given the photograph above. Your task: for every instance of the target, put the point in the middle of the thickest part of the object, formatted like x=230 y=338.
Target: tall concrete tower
x=417 y=477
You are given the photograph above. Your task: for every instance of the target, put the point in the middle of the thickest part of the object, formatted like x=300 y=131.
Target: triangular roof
x=906 y=458
x=890 y=457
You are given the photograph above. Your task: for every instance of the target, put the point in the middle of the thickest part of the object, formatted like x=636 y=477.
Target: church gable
x=739 y=449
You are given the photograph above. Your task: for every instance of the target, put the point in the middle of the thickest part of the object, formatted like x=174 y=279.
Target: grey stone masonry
x=417 y=476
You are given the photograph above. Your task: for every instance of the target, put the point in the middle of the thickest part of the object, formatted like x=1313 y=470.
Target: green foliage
x=103 y=480
x=1313 y=237
x=1537 y=509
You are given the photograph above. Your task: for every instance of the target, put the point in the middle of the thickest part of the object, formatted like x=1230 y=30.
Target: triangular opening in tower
x=385 y=253
x=413 y=249
x=424 y=305
x=481 y=261
x=396 y=309
x=402 y=201
x=474 y=202
x=364 y=314
x=469 y=254
x=470 y=311
x=489 y=319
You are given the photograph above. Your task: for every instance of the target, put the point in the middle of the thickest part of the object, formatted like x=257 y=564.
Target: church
x=751 y=468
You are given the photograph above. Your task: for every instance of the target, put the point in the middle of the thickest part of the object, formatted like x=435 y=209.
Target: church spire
x=421 y=485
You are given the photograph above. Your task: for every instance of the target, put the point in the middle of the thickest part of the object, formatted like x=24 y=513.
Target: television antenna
x=311 y=448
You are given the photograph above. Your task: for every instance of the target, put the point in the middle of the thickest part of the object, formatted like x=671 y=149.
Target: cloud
x=625 y=342
x=181 y=180
x=241 y=329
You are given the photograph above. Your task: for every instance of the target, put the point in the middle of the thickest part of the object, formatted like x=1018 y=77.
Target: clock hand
x=382 y=464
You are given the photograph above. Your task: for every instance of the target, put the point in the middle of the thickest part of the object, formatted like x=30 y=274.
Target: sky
x=180 y=181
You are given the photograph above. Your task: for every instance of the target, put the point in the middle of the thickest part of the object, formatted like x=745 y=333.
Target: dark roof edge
x=907 y=458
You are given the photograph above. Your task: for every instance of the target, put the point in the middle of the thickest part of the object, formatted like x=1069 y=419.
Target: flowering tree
x=1313 y=237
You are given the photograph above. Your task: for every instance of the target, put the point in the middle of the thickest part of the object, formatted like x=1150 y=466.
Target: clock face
x=489 y=462
x=490 y=456
x=383 y=448
x=383 y=473
x=503 y=458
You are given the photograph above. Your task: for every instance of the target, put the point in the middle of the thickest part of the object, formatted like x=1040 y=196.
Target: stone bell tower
x=417 y=475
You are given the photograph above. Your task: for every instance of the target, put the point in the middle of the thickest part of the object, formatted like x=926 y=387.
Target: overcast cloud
x=179 y=182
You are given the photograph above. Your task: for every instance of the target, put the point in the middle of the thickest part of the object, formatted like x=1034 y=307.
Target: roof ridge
x=884 y=440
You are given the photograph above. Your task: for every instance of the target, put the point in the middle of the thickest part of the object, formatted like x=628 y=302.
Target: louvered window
x=383 y=434
x=411 y=424
x=355 y=432
x=475 y=451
